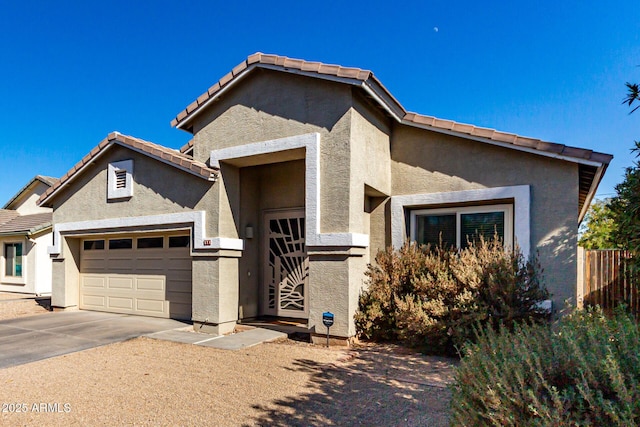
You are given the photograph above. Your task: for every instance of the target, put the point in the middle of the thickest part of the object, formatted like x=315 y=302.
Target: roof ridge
x=260 y=58
x=386 y=99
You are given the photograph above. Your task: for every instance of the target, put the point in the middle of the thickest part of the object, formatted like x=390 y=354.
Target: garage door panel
x=120 y=282
x=93 y=265
x=120 y=265
x=151 y=264
x=179 y=275
x=180 y=311
x=119 y=302
x=94 y=282
x=93 y=301
x=151 y=306
x=179 y=297
x=145 y=281
x=179 y=285
x=179 y=263
x=150 y=283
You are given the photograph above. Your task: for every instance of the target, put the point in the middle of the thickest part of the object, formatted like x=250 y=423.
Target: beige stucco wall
x=215 y=294
x=429 y=162
x=66 y=275
x=158 y=189
x=26 y=203
x=270 y=105
x=370 y=172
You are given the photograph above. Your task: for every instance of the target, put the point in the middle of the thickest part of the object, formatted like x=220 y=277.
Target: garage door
x=148 y=275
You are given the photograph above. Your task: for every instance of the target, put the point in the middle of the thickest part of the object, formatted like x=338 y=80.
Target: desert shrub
x=432 y=297
x=583 y=371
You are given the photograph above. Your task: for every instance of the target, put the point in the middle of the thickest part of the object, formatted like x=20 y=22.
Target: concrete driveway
x=27 y=339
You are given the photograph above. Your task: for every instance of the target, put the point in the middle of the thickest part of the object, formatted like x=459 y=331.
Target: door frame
x=264 y=287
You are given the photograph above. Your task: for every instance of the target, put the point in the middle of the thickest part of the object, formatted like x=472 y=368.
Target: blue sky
x=74 y=71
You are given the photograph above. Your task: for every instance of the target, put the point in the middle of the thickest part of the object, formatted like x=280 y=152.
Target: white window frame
x=520 y=194
x=16 y=280
x=114 y=193
x=507 y=209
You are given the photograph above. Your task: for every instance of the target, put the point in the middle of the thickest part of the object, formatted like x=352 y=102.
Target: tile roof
x=26 y=224
x=7 y=215
x=186 y=147
x=385 y=97
x=158 y=152
x=507 y=138
x=47 y=180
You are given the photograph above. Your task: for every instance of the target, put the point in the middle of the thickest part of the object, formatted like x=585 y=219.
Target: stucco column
x=66 y=275
x=335 y=283
x=215 y=294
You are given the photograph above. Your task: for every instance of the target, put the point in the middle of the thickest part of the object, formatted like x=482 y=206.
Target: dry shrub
x=432 y=297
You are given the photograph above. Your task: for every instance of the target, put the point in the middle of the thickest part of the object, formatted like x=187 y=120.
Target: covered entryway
x=286 y=264
x=145 y=274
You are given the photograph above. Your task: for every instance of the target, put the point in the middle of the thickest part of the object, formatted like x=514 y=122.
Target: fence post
x=580 y=285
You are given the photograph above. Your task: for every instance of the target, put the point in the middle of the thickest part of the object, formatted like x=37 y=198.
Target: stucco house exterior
x=297 y=174
x=25 y=235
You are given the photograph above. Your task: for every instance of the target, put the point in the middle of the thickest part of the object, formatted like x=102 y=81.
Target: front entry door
x=286 y=265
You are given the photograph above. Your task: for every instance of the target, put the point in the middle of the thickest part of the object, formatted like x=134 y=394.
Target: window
x=92 y=245
x=120 y=180
x=179 y=241
x=120 y=244
x=13 y=259
x=150 y=242
x=458 y=226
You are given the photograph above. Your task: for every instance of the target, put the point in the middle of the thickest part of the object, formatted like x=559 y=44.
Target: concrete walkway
x=236 y=341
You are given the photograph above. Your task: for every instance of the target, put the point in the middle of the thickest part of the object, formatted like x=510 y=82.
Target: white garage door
x=149 y=275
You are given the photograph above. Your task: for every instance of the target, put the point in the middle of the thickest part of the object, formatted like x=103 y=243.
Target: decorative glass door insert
x=286 y=269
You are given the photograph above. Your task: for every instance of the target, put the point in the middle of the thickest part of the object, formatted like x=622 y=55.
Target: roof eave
x=505 y=144
x=21 y=191
x=30 y=232
x=592 y=191
x=190 y=116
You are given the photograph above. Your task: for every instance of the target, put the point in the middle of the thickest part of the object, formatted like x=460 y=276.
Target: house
x=25 y=234
x=297 y=174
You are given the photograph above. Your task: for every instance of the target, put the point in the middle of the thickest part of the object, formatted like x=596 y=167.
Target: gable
x=25 y=200
x=157 y=188
x=269 y=105
x=164 y=155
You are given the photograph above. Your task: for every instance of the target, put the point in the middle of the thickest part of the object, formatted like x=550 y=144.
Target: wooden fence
x=607 y=282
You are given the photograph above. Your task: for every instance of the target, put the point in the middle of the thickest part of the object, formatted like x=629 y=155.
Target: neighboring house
x=25 y=234
x=297 y=174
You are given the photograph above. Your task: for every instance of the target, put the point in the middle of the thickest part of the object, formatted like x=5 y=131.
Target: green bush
x=583 y=371
x=432 y=297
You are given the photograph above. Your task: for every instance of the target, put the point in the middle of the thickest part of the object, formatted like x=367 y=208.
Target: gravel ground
x=151 y=382
x=16 y=305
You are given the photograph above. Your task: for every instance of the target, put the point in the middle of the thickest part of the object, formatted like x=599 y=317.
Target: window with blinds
x=460 y=226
